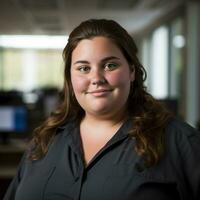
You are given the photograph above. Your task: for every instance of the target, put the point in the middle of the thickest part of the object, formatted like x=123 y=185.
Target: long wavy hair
x=149 y=117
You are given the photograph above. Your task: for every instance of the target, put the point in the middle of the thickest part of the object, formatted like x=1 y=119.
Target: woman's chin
x=100 y=111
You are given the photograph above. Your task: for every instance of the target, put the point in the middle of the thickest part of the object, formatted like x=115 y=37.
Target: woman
x=109 y=139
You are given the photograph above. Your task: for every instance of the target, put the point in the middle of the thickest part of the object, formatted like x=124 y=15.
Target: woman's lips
x=100 y=92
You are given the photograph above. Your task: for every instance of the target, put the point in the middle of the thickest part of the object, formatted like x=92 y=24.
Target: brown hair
x=148 y=116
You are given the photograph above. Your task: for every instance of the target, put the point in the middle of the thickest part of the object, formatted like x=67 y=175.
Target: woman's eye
x=84 y=69
x=110 y=66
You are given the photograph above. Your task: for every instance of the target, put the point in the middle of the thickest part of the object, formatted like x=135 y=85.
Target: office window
x=177 y=61
x=146 y=59
x=159 y=63
x=27 y=69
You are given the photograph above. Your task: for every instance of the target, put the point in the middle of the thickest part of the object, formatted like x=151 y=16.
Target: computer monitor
x=13 y=120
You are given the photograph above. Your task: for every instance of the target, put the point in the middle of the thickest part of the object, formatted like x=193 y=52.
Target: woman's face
x=100 y=76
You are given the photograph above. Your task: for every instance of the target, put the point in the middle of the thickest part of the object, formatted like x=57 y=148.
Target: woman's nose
x=97 y=77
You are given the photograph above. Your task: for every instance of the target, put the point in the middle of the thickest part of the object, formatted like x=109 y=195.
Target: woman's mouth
x=100 y=92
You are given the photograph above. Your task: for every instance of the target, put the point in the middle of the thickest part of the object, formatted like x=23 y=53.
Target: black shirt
x=115 y=173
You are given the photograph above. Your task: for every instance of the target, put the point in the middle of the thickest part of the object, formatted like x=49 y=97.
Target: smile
x=100 y=92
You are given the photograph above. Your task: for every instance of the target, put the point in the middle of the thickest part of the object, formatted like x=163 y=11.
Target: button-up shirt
x=116 y=172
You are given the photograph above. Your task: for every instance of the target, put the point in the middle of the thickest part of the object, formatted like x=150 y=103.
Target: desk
x=10 y=156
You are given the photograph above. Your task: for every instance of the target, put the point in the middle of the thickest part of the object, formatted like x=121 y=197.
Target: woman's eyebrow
x=103 y=60
x=110 y=58
x=81 y=62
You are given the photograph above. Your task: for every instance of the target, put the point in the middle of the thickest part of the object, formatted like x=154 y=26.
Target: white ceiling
x=58 y=17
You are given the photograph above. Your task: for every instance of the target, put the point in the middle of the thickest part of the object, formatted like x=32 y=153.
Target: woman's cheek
x=116 y=79
x=79 y=84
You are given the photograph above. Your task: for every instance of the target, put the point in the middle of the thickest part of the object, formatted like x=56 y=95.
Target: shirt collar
x=72 y=132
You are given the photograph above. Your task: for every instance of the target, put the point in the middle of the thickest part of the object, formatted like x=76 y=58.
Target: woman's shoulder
x=182 y=138
x=179 y=128
x=182 y=154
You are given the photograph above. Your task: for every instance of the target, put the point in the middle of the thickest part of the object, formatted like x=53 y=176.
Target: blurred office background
x=33 y=34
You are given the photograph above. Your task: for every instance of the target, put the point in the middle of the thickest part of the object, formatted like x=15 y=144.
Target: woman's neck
x=104 y=121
